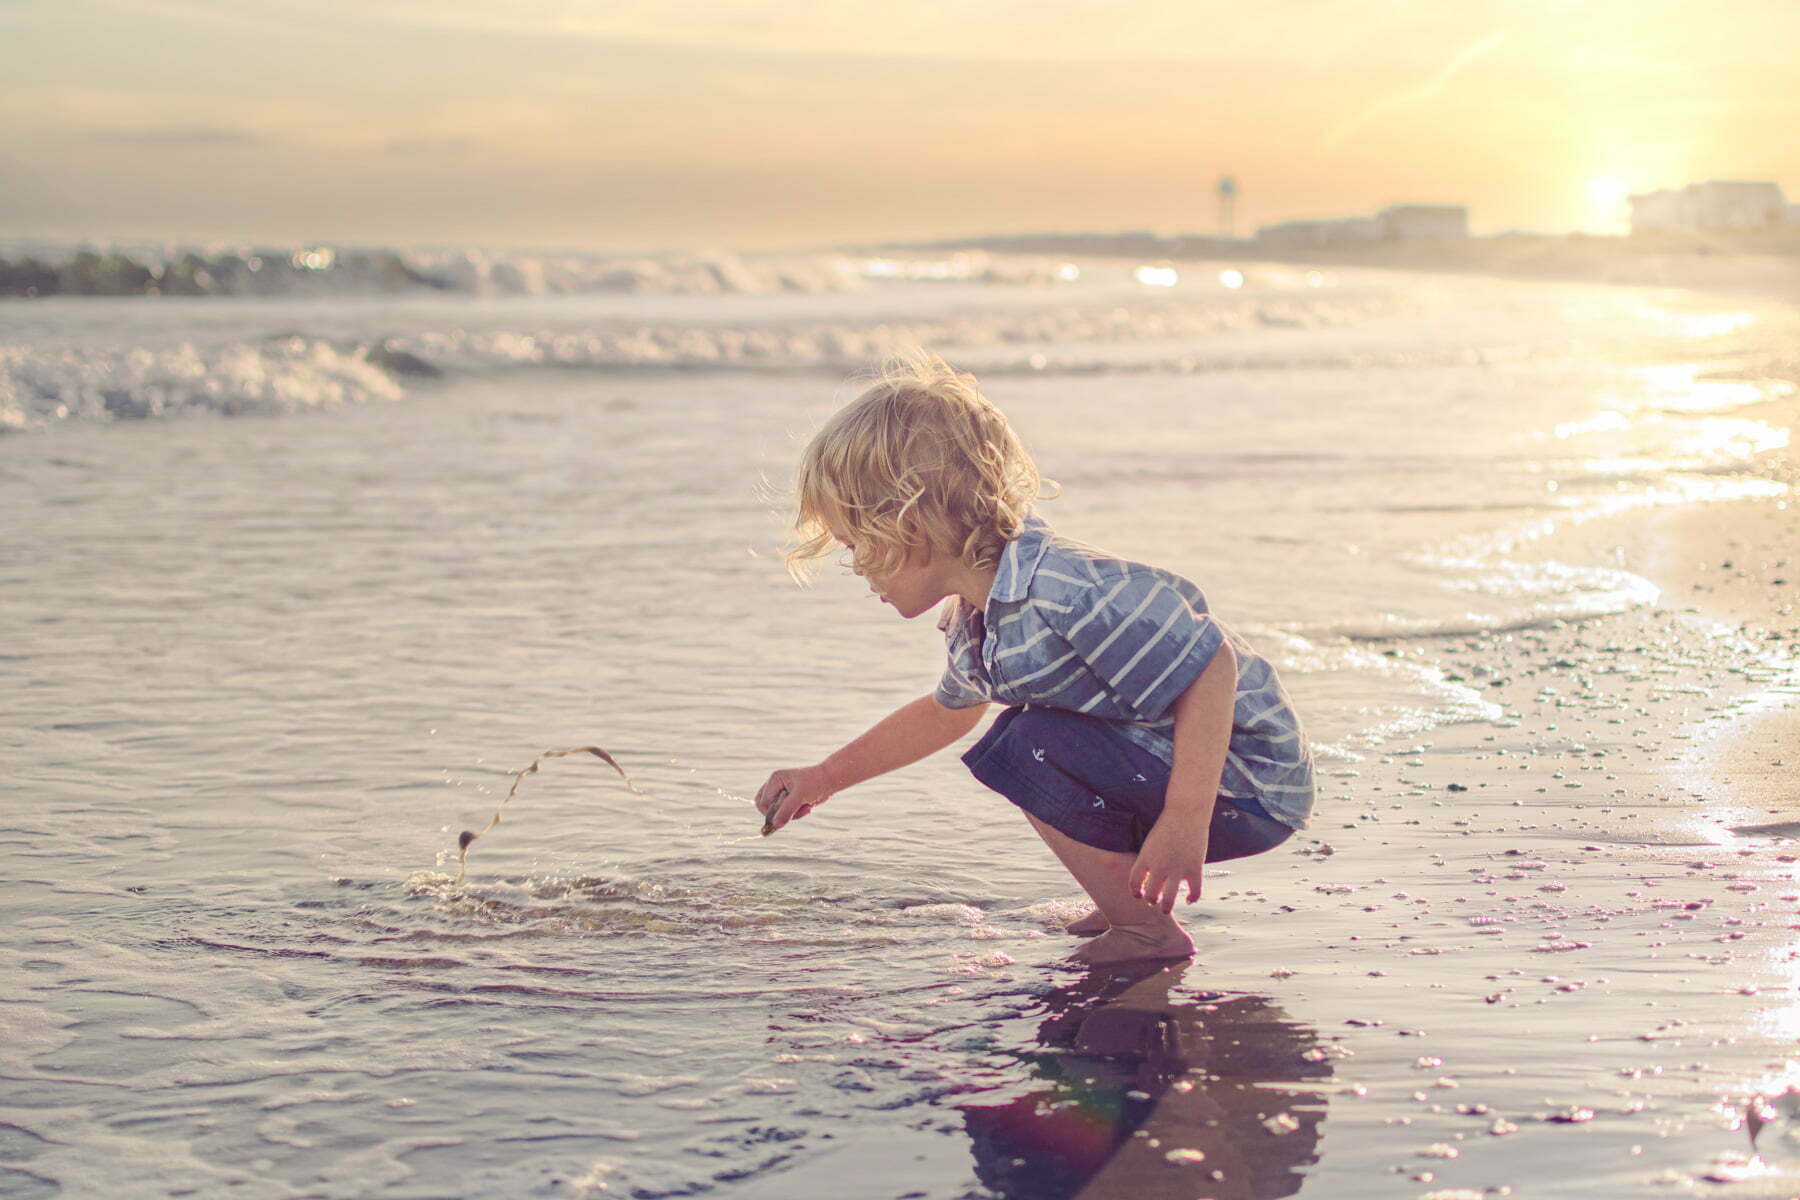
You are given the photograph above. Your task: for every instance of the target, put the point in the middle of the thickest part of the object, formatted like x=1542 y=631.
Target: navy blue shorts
x=1082 y=776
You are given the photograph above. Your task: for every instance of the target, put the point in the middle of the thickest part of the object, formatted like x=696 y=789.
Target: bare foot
x=1164 y=938
x=1094 y=922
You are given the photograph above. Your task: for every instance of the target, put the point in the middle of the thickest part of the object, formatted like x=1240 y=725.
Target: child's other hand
x=1174 y=854
x=791 y=793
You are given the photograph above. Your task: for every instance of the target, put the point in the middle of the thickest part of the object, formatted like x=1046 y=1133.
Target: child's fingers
x=790 y=808
x=779 y=791
x=1153 y=888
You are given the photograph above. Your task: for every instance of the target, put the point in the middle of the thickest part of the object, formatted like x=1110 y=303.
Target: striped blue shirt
x=1068 y=626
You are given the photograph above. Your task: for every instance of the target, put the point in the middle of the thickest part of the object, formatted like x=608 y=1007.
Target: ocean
x=291 y=586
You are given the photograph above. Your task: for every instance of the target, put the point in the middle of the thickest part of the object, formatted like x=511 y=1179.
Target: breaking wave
x=44 y=385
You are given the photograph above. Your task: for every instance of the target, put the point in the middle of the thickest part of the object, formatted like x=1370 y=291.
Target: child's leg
x=1136 y=929
x=1091 y=795
x=1234 y=833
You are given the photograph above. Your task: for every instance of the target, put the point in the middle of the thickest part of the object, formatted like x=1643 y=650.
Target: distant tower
x=1227 y=200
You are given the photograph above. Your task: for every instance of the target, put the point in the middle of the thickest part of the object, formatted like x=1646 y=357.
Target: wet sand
x=1742 y=565
x=1558 y=950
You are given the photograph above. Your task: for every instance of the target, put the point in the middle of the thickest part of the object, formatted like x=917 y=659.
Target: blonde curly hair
x=919 y=461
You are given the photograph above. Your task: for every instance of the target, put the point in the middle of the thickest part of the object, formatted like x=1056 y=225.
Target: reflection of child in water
x=1155 y=1098
x=1142 y=739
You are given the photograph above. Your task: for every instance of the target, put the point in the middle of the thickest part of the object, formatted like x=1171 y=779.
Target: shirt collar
x=1012 y=581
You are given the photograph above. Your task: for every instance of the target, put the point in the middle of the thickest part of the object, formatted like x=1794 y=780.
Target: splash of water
x=469 y=836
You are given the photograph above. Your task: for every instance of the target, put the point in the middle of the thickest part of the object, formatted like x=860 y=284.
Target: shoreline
x=1714 y=267
x=1738 y=563
x=1744 y=568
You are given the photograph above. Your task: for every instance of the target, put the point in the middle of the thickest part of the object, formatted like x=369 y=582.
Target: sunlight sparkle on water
x=1701 y=325
x=1157 y=276
x=957 y=266
x=1231 y=278
x=1599 y=423
x=1680 y=387
x=1730 y=438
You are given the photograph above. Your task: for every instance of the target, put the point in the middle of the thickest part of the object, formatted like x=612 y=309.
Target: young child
x=1142 y=738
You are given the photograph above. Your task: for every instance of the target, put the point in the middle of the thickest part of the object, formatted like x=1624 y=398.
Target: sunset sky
x=630 y=124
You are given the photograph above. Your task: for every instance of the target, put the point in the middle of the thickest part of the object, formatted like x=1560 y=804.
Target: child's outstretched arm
x=1175 y=852
x=904 y=736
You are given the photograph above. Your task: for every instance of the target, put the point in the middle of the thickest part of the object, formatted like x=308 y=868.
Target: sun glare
x=1607 y=208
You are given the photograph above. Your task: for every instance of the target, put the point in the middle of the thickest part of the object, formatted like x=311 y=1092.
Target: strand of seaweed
x=469 y=836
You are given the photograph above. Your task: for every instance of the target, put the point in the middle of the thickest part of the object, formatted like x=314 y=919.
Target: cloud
x=175 y=135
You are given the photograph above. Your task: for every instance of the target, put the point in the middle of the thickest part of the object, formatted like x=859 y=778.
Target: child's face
x=912 y=589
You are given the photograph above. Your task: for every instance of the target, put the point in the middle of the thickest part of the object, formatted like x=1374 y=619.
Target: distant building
x=1713 y=205
x=1405 y=222
x=1310 y=235
x=1396 y=223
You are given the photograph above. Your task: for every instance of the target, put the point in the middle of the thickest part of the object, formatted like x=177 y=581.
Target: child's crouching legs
x=1133 y=928
x=1235 y=833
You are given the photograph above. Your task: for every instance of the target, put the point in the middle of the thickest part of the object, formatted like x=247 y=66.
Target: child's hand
x=790 y=794
x=1174 y=854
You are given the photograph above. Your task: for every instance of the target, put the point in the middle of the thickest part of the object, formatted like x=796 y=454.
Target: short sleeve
x=958 y=688
x=1143 y=640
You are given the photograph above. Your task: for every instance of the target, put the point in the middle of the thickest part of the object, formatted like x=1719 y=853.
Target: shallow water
x=259 y=673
